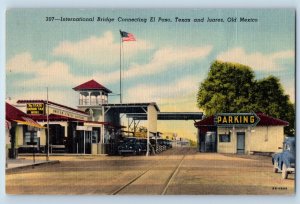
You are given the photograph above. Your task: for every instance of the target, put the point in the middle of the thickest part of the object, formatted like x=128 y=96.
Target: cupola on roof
x=91 y=85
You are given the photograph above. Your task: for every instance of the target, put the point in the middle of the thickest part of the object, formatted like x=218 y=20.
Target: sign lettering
x=35 y=108
x=67 y=113
x=236 y=119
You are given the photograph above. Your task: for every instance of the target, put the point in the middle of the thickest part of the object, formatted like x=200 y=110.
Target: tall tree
x=270 y=99
x=231 y=87
x=227 y=88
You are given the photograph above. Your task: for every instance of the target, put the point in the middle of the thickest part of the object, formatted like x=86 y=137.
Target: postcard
x=150 y=101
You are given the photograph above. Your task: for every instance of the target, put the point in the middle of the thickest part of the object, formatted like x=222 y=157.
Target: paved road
x=175 y=171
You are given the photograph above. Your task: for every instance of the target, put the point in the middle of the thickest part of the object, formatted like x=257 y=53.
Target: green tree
x=270 y=99
x=227 y=88
x=231 y=87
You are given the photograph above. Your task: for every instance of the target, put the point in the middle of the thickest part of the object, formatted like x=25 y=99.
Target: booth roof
x=265 y=120
x=106 y=124
x=14 y=114
x=91 y=85
x=54 y=117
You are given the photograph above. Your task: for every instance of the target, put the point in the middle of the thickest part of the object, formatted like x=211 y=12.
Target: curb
x=60 y=154
x=10 y=170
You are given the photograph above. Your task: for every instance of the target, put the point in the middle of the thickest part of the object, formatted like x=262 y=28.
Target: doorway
x=210 y=142
x=240 y=147
x=84 y=141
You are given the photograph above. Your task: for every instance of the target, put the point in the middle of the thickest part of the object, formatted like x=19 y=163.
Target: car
x=130 y=145
x=169 y=144
x=284 y=161
x=143 y=143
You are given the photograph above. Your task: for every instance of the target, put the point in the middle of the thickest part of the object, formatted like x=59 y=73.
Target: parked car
x=130 y=145
x=285 y=160
x=169 y=144
x=143 y=144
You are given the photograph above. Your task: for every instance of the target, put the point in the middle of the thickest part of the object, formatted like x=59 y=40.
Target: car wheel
x=275 y=167
x=284 y=173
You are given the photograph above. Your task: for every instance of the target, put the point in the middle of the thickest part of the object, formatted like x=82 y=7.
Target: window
x=224 y=137
x=28 y=136
x=287 y=147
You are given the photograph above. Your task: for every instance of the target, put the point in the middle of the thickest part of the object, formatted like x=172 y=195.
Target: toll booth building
x=95 y=126
x=264 y=138
x=21 y=131
x=70 y=130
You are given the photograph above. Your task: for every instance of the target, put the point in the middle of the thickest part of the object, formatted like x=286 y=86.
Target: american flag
x=127 y=36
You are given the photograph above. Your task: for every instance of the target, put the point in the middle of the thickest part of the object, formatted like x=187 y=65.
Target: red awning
x=14 y=114
x=29 y=122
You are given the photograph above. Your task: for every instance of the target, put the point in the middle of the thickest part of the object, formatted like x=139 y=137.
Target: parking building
x=266 y=137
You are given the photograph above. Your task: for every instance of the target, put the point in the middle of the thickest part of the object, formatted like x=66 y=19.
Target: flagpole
x=120 y=69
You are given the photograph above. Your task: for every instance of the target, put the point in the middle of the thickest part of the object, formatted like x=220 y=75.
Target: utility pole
x=48 y=131
x=120 y=69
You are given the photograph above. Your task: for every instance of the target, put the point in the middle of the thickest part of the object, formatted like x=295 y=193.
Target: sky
x=165 y=64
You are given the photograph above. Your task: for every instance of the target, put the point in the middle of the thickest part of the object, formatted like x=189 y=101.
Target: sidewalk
x=13 y=164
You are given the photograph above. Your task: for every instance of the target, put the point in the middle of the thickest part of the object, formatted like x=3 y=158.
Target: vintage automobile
x=143 y=144
x=169 y=144
x=134 y=146
x=130 y=145
x=285 y=160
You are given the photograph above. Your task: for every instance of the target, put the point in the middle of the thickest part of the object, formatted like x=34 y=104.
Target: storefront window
x=28 y=136
x=224 y=137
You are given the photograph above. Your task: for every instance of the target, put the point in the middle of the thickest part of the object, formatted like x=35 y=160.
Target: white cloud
x=165 y=58
x=23 y=63
x=256 y=60
x=68 y=98
x=57 y=74
x=177 y=90
x=162 y=60
x=43 y=74
x=102 y=50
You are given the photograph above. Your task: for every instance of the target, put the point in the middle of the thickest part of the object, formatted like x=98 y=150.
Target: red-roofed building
x=92 y=93
x=266 y=136
x=91 y=85
x=66 y=127
x=17 y=121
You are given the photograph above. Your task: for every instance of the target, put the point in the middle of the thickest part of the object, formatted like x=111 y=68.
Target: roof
x=105 y=124
x=14 y=114
x=52 y=103
x=168 y=116
x=130 y=107
x=91 y=85
x=53 y=117
x=209 y=121
x=265 y=120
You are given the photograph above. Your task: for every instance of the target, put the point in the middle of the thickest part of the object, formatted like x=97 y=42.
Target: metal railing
x=92 y=102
